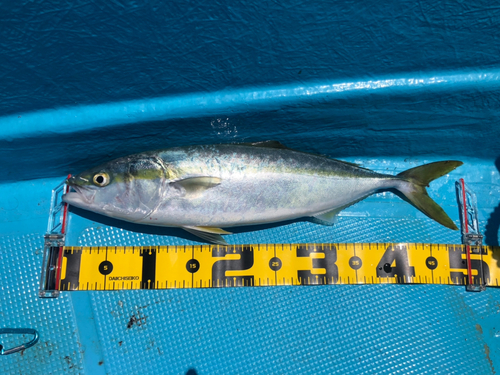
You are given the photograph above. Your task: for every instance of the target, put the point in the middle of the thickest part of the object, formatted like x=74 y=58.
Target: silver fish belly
x=261 y=185
x=203 y=188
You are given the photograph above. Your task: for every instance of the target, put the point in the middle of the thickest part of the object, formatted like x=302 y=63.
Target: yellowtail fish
x=205 y=188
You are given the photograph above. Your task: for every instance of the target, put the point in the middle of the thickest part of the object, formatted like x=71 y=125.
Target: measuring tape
x=209 y=266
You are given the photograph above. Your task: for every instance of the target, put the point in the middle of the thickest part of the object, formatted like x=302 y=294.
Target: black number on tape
x=220 y=267
x=71 y=280
x=106 y=267
x=275 y=264
x=192 y=265
x=355 y=263
x=458 y=261
x=431 y=263
x=395 y=263
x=148 y=280
x=327 y=262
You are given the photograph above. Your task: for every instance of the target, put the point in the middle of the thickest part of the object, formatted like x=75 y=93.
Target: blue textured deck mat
x=293 y=330
x=388 y=85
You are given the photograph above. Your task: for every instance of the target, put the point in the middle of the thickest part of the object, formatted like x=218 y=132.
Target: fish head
x=128 y=188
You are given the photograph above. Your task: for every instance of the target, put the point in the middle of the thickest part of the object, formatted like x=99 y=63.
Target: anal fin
x=210 y=234
x=330 y=217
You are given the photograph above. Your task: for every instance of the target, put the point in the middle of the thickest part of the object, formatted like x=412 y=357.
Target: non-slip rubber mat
x=293 y=330
x=279 y=330
x=58 y=350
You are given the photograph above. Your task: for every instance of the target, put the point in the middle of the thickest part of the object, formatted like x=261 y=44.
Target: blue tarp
x=388 y=85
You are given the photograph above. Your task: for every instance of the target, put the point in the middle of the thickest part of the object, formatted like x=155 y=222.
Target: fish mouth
x=81 y=196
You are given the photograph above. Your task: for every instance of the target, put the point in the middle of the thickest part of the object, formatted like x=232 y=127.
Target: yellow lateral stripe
x=206 y=266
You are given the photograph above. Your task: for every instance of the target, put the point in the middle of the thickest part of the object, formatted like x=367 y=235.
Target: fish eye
x=101 y=179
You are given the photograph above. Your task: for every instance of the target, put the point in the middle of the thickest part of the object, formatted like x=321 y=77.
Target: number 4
x=397 y=254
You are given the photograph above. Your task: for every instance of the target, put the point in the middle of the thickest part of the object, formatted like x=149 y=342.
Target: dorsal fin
x=267 y=144
x=348 y=162
x=279 y=145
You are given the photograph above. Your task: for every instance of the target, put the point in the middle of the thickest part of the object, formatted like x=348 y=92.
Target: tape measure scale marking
x=207 y=266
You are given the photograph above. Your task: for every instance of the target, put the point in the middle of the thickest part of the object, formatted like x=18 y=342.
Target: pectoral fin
x=210 y=234
x=194 y=186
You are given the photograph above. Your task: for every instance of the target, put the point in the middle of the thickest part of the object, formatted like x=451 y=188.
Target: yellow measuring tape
x=206 y=266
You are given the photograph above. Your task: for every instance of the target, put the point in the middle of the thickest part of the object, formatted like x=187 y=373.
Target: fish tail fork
x=419 y=178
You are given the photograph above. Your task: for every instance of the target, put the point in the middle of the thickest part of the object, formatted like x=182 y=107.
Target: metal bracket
x=471 y=235
x=53 y=243
x=50 y=266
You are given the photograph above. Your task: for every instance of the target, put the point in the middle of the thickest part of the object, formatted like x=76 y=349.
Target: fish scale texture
x=294 y=330
x=57 y=351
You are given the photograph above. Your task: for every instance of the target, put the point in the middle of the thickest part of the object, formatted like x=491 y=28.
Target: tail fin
x=420 y=177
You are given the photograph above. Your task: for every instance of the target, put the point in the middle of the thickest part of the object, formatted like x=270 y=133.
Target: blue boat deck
x=387 y=86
